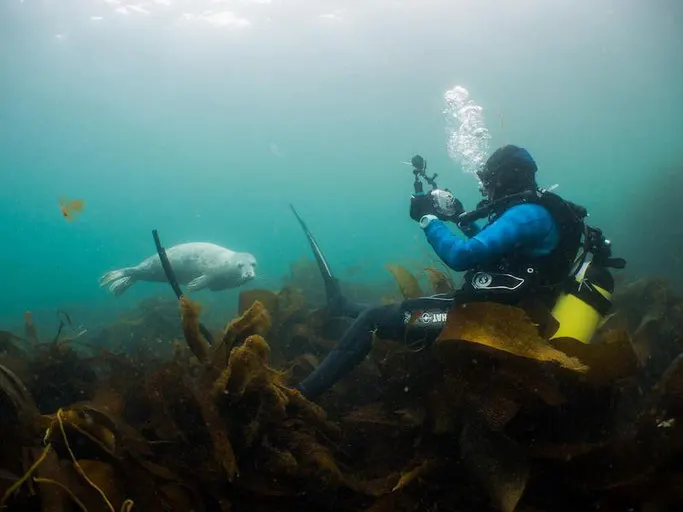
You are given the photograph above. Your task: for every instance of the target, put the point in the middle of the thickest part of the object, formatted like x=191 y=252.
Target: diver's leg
x=342 y=306
x=389 y=322
x=353 y=347
x=336 y=302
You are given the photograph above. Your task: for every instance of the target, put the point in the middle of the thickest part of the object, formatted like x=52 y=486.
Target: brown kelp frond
x=11 y=343
x=407 y=282
x=17 y=484
x=65 y=489
x=256 y=320
x=12 y=387
x=31 y=333
x=247 y=366
x=493 y=416
x=223 y=452
x=267 y=298
x=64 y=320
x=79 y=467
x=504 y=328
x=609 y=359
x=189 y=314
x=291 y=301
x=498 y=463
x=269 y=413
x=56 y=432
x=439 y=281
x=423 y=467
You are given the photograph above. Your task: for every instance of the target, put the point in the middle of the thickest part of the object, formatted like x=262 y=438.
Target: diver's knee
x=378 y=314
x=385 y=320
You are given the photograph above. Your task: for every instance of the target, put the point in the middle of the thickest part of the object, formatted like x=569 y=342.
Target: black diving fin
x=173 y=281
x=332 y=288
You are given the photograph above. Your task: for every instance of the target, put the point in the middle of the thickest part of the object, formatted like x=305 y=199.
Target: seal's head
x=246 y=267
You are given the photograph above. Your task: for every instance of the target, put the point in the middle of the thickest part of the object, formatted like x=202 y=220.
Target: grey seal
x=199 y=265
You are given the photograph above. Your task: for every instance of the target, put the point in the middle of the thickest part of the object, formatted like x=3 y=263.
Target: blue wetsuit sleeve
x=526 y=227
x=470 y=229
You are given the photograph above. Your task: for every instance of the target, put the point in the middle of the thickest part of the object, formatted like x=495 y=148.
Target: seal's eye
x=240 y=265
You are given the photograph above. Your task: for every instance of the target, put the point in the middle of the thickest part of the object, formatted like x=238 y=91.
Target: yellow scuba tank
x=584 y=302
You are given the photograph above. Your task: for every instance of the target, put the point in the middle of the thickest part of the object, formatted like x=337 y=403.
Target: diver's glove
x=421 y=205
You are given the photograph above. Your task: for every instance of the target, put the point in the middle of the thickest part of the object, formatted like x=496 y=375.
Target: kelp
x=503 y=328
x=439 y=281
x=497 y=463
x=189 y=315
x=254 y=320
x=57 y=433
x=30 y=330
x=13 y=388
x=493 y=416
x=407 y=282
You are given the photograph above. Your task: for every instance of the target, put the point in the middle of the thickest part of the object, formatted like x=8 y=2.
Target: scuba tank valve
x=587 y=295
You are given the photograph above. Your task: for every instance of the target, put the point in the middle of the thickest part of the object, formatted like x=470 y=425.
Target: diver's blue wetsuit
x=522 y=229
x=526 y=227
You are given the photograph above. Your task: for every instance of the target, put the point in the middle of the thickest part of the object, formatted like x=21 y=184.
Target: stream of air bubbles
x=467 y=136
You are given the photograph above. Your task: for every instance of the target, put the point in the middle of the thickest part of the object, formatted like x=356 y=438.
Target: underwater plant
x=493 y=416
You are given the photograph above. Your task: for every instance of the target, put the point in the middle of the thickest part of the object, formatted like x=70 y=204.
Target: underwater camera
x=420 y=172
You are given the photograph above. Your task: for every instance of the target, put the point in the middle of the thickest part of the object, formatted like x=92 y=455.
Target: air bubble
x=467 y=137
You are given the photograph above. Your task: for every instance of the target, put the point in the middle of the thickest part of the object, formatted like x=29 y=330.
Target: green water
x=205 y=119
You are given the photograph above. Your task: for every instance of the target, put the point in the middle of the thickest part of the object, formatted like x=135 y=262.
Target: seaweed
x=407 y=282
x=493 y=416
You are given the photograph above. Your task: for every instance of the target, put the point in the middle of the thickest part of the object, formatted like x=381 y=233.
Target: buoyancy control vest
x=517 y=276
x=576 y=289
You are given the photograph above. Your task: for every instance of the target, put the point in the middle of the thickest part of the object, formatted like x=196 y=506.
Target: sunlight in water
x=217 y=13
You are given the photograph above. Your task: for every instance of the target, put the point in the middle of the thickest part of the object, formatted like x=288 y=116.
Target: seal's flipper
x=198 y=283
x=118 y=281
x=332 y=288
x=119 y=286
x=115 y=275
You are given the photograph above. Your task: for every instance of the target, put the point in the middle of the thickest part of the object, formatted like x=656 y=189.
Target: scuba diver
x=528 y=250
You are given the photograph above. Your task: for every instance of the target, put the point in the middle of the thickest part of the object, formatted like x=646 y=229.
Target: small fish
x=71 y=208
